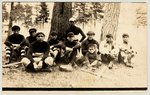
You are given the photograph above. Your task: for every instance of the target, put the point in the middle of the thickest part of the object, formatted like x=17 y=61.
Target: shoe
x=110 y=65
x=129 y=65
x=67 y=68
x=74 y=65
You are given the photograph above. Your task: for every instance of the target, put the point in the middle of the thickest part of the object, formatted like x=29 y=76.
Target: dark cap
x=70 y=34
x=109 y=36
x=53 y=33
x=15 y=28
x=90 y=33
x=125 y=35
x=32 y=30
x=40 y=33
x=91 y=45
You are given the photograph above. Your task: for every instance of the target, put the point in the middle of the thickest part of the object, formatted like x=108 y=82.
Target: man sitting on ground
x=71 y=48
x=38 y=54
x=126 y=51
x=108 y=51
x=32 y=37
x=15 y=44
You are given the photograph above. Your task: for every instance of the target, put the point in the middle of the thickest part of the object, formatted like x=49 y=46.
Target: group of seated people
x=36 y=54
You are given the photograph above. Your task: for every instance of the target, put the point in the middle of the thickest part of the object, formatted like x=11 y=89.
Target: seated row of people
x=40 y=54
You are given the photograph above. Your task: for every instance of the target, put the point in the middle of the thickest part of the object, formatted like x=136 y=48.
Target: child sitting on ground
x=92 y=58
x=127 y=52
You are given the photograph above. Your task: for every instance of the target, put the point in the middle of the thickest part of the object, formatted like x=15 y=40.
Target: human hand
x=40 y=64
x=69 y=49
x=35 y=66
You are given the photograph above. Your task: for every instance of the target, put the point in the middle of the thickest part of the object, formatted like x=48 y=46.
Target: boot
x=129 y=65
x=110 y=65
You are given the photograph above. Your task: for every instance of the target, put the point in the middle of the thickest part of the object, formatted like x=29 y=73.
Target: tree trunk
x=60 y=19
x=10 y=18
x=110 y=21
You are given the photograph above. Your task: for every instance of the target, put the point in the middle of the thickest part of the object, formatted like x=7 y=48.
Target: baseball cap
x=125 y=34
x=90 y=33
x=70 y=34
x=109 y=36
x=40 y=33
x=32 y=30
x=15 y=28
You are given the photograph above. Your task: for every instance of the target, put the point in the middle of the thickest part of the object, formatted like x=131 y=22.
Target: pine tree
x=44 y=13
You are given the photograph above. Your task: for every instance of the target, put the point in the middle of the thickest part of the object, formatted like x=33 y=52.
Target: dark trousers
x=69 y=57
x=107 y=58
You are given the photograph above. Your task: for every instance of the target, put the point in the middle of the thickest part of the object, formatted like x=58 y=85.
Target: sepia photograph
x=74 y=46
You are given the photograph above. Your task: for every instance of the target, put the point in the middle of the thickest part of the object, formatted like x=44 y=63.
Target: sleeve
x=97 y=45
x=67 y=31
x=98 y=57
x=77 y=46
x=7 y=42
x=46 y=53
x=83 y=47
x=116 y=49
x=103 y=48
x=29 y=53
x=23 y=42
x=87 y=58
x=82 y=34
x=27 y=41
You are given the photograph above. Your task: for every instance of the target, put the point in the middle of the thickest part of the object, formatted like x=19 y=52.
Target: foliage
x=5 y=14
x=18 y=12
x=28 y=16
x=141 y=17
x=88 y=11
x=43 y=13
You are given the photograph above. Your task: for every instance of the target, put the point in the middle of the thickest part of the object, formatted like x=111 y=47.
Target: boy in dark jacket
x=14 y=45
x=92 y=59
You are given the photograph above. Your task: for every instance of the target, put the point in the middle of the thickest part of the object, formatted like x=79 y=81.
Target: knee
x=49 y=61
x=25 y=61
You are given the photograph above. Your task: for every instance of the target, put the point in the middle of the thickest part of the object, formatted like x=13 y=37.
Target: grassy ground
x=119 y=76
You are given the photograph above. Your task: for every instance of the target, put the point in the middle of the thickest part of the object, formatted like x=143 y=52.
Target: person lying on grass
x=38 y=55
x=126 y=53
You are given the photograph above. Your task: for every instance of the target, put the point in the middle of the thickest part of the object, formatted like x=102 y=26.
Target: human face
x=16 y=32
x=91 y=49
x=109 y=40
x=71 y=23
x=54 y=37
x=71 y=39
x=33 y=34
x=125 y=39
x=40 y=38
x=90 y=37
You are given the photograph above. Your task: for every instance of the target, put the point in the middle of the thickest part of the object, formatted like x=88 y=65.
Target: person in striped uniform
x=15 y=44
